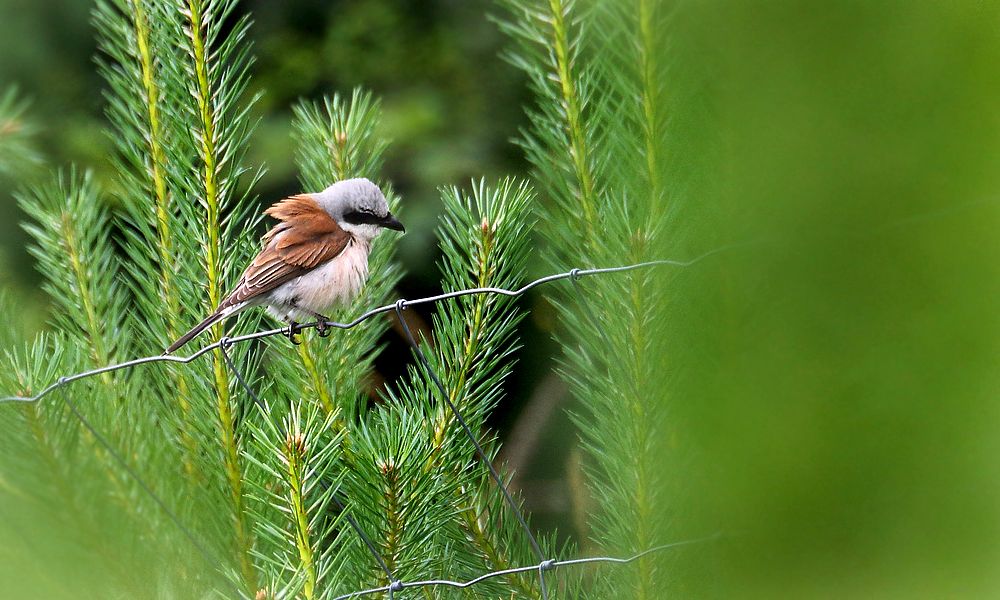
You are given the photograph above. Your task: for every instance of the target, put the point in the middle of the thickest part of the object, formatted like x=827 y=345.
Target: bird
x=313 y=259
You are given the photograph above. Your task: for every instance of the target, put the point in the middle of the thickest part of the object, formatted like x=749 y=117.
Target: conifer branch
x=588 y=135
x=298 y=451
x=157 y=156
x=650 y=69
x=219 y=126
x=573 y=106
x=134 y=61
x=316 y=379
x=548 y=39
x=75 y=253
x=474 y=343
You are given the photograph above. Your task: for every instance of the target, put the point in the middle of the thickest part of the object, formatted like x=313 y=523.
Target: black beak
x=391 y=222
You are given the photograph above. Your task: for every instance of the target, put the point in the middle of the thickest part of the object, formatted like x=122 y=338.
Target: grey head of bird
x=358 y=206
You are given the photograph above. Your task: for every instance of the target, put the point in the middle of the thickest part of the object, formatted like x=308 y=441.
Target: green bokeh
x=838 y=375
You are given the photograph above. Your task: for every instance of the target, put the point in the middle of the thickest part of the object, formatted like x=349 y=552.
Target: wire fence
x=544 y=563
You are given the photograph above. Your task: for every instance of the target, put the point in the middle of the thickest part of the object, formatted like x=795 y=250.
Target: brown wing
x=305 y=238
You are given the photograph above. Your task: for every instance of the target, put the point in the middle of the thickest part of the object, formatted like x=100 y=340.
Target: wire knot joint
x=396 y=586
x=401 y=305
x=574 y=274
x=546 y=565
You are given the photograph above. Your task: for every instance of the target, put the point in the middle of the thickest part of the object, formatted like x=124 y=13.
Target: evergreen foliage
x=597 y=143
x=176 y=481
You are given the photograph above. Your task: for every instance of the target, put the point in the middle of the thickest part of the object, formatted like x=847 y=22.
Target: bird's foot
x=293 y=330
x=322 y=330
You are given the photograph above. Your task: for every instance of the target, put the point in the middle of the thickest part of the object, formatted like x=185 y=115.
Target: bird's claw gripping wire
x=293 y=330
x=322 y=329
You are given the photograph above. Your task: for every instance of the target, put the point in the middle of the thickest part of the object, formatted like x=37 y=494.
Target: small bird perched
x=314 y=259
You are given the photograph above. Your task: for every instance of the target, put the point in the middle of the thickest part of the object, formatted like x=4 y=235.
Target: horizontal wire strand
x=230 y=341
x=546 y=565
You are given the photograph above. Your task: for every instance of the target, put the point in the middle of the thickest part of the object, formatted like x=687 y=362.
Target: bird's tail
x=212 y=319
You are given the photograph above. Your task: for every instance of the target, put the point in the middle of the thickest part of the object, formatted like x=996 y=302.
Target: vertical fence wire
x=400 y=306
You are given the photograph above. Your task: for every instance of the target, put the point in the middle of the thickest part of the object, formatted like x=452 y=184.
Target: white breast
x=335 y=283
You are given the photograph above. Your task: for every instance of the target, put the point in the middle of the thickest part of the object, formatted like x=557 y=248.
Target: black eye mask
x=359 y=217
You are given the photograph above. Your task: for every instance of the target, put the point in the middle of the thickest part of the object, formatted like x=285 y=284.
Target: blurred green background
x=833 y=381
x=837 y=404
